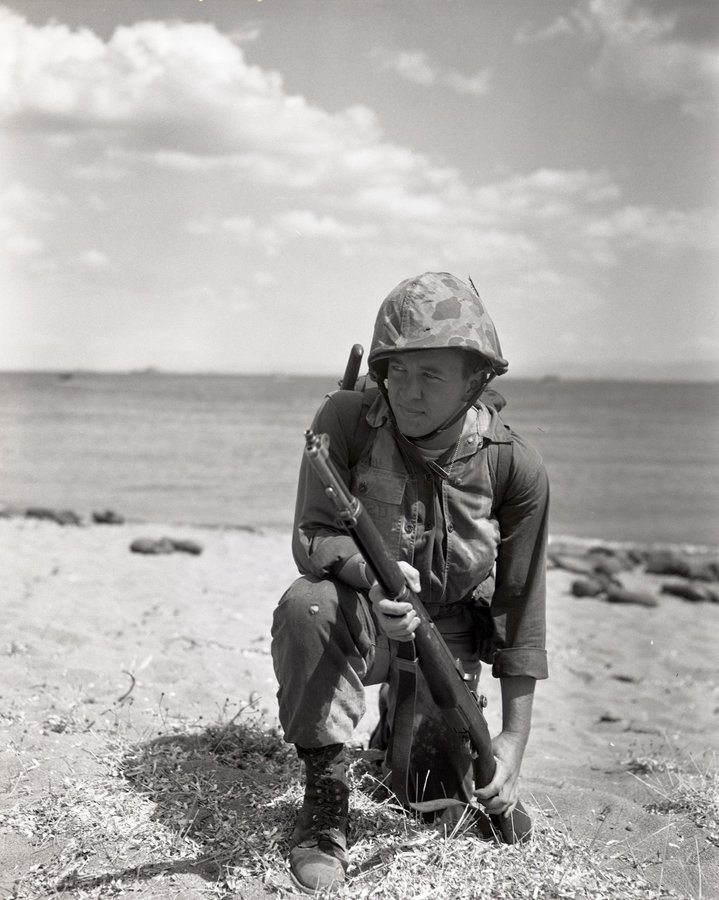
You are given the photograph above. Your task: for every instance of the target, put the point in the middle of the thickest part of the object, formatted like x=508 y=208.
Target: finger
x=489 y=791
x=401 y=629
x=394 y=609
x=412 y=579
x=411 y=576
x=494 y=807
x=503 y=803
x=406 y=624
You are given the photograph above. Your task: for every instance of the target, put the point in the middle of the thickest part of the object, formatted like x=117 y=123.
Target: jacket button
x=409 y=528
x=450 y=528
x=362 y=487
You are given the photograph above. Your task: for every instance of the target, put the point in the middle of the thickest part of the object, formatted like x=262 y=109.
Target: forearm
x=517 y=700
x=518 y=603
x=501 y=794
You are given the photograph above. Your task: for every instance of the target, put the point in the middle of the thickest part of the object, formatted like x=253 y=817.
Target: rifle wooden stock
x=349 y=379
x=441 y=671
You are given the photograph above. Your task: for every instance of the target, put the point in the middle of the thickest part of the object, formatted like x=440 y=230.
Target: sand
x=97 y=640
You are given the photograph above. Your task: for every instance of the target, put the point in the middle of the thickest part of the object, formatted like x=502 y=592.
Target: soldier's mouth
x=411 y=413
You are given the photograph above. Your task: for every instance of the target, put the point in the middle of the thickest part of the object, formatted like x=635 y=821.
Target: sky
x=235 y=185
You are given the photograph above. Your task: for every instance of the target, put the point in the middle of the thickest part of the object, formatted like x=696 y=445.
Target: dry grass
x=693 y=793
x=207 y=813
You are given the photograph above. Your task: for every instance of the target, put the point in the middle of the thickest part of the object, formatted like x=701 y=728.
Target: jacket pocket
x=381 y=492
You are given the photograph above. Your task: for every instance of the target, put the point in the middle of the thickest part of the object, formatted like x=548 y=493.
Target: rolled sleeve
x=518 y=606
x=520 y=661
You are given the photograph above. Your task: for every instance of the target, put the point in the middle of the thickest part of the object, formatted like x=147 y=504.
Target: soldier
x=421 y=452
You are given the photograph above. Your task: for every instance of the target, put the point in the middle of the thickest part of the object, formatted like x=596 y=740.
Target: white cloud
x=307 y=223
x=638 y=50
x=413 y=66
x=668 y=229
x=474 y=85
x=174 y=87
x=280 y=229
x=181 y=97
x=19 y=198
x=94 y=259
x=416 y=66
x=559 y=27
x=21 y=245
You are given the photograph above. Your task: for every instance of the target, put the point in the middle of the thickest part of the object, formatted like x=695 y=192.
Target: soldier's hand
x=500 y=796
x=398 y=620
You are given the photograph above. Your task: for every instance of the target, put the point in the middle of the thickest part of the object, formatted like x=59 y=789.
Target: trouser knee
x=323 y=643
x=307 y=605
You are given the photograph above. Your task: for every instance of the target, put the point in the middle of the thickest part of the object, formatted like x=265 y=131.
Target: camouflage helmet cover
x=431 y=312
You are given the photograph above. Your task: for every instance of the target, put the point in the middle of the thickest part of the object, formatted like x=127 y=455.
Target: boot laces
x=329 y=812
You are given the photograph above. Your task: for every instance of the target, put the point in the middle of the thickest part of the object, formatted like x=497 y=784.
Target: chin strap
x=455 y=417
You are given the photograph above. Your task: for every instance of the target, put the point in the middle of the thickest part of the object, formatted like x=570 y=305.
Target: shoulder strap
x=500 y=462
x=362 y=433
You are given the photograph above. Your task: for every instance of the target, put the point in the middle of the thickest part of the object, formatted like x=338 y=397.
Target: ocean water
x=628 y=461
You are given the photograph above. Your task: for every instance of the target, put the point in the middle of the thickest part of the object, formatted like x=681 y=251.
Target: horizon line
x=549 y=377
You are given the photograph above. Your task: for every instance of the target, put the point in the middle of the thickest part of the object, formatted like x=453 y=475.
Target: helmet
x=431 y=312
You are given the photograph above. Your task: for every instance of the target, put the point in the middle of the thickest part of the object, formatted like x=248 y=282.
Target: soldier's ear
x=476 y=383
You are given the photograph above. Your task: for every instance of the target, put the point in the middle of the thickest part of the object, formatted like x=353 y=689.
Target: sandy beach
x=102 y=645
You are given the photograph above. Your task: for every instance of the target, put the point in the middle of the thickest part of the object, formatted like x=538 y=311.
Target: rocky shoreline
x=605 y=570
x=609 y=572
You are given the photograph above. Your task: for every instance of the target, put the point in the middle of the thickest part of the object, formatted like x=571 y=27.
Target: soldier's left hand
x=500 y=796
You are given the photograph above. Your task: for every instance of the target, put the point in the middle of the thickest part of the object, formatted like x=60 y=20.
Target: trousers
x=327 y=646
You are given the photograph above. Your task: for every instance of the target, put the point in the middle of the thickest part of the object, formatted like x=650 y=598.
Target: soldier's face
x=425 y=387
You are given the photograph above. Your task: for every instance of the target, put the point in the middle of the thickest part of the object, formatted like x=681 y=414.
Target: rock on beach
x=609 y=573
x=159 y=546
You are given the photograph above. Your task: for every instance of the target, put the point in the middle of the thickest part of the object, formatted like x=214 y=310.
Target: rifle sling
x=403 y=723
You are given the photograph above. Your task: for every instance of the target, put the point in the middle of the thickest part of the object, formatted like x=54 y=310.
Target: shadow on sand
x=223 y=800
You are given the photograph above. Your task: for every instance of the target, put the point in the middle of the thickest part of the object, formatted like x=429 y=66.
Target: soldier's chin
x=412 y=428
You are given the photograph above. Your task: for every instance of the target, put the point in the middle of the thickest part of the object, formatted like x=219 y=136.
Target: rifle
x=349 y=379
x=441 y=671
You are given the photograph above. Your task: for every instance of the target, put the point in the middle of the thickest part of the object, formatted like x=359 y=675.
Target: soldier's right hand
x=397 y=620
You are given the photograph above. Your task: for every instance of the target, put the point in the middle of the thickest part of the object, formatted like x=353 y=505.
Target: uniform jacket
x=446 y=527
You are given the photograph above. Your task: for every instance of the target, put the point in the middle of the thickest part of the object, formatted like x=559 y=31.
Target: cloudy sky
x=234 y=185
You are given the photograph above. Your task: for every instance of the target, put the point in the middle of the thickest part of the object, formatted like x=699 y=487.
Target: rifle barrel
x=349 y=379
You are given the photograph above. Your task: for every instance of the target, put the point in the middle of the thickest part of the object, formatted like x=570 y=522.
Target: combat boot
x=318 y=854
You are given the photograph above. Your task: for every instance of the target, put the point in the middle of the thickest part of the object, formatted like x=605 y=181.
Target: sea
x=628 y=461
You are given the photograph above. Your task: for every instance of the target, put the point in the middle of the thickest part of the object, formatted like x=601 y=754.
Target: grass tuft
x=693 y=793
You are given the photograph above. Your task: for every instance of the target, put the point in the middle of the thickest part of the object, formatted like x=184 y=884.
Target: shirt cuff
x=520 y=661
